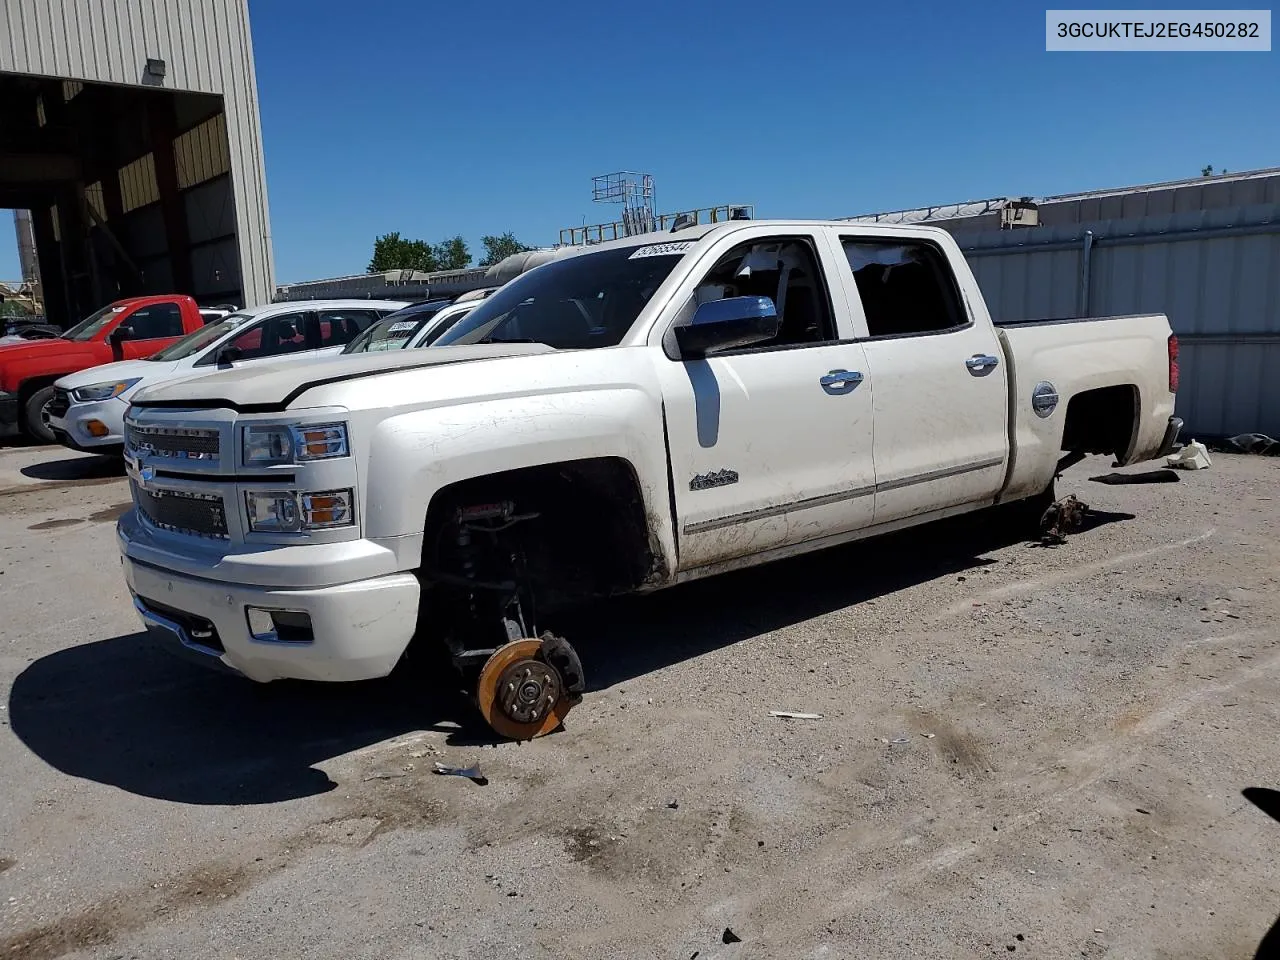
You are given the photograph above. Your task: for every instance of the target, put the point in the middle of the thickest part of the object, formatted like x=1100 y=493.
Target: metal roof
x=1226 y=187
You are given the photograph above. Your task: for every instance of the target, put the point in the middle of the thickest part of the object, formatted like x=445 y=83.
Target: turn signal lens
x=332 y=508
x=320 y=442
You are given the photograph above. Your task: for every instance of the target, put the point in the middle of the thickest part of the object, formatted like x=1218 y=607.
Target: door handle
x=980 y=364
x=837 y=378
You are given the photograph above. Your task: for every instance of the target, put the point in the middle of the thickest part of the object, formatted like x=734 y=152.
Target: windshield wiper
x=512 y=340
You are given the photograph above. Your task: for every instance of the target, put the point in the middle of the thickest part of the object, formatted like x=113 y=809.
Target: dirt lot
x=1026 y=751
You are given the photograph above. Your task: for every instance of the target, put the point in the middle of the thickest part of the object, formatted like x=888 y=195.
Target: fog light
x=96 y=428
x=279 y=626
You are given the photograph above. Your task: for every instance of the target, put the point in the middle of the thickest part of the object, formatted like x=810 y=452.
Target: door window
x=340 y=327
x=906 y=287
x=784 y=269
x=156 y=321
x=273 y=337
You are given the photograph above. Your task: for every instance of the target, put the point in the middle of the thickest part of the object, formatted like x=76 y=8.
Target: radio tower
x=635 y=192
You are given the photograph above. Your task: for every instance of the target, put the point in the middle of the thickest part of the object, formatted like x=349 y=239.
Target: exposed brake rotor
x=520 y=693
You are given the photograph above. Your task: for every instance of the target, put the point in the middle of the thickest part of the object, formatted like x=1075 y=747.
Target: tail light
x=1173 y=363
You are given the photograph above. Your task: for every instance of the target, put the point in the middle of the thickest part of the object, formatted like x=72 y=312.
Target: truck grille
x=200 y=514
x=177 y=443
x=60 y=403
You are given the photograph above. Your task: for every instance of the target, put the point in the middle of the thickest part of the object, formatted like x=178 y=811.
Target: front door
x=771 y=444
x=941 y=392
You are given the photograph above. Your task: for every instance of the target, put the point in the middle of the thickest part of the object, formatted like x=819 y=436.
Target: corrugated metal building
x=417 y=284
x=1204 y=251
x=131 y=130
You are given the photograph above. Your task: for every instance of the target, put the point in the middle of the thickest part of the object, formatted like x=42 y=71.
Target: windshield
x=193 y=343
x=394 y=331
x=580 y=302
x=89 y=327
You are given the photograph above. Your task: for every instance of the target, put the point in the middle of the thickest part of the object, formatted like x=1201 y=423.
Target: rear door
x=937 y=373
x=770 y=445
x=154 y=327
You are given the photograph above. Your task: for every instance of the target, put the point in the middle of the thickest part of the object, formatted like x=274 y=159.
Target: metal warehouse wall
x=1216 y=273
x=206 y=47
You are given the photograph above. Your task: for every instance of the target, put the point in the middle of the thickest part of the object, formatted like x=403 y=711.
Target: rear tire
x=33 y=410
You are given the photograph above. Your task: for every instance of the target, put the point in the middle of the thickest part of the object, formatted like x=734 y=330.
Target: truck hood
x=108 y=372
x=34 y=349
x=278 y=383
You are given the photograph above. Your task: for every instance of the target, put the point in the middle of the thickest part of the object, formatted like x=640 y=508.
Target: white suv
x=87 y=409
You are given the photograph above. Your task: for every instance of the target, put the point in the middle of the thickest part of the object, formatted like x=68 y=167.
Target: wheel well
x=591 y=537
x=1101 y=421
x=32 y=384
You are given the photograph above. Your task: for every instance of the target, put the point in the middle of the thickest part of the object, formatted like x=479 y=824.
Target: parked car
x=630 y=416
x=22 y=329
x=87 y=410
x=217 y=313
x=124 y=330
x=419 y=325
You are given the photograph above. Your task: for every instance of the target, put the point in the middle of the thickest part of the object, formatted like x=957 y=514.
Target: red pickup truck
x=124 y=330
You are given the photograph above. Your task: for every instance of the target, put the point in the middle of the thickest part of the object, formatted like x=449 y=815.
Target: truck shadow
x=1268 y=801
x=125 y=713
x=636 y=635
x=75 y=468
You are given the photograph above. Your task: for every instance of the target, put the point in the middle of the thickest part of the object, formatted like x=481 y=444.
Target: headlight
x=288 y=511
x=102 y=391
x=273 y=444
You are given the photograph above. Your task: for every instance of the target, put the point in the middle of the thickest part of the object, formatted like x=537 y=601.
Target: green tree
x=497 y=249
x=393 y=252
x=452 y=254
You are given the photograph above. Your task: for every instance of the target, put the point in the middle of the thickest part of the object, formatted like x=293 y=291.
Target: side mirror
x=229 y=355
x=727 y=324
x=120 y=334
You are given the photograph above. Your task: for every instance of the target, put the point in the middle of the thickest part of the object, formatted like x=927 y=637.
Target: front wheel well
x=32 y=384
x=591 y=537
x=1102 y=421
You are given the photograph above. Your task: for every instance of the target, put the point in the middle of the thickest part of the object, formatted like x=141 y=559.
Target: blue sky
x=435 y=119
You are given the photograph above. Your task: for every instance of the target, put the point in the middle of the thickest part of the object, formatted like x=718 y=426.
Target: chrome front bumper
x=175 y=638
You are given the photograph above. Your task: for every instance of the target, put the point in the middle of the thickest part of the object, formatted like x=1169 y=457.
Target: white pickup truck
x=626 y=417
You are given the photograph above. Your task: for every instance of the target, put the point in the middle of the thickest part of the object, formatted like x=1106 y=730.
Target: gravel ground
x=1021 y=750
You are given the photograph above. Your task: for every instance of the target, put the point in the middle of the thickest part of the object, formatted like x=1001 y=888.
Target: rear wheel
x=34 y=413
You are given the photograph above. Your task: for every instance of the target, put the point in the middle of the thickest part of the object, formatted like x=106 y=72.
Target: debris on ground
x=729 y=936
x=1149 y=476
x=1258 y=443
x=1194 y=456
x=1063 y=517
x=792 y=715
x=471 y=773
